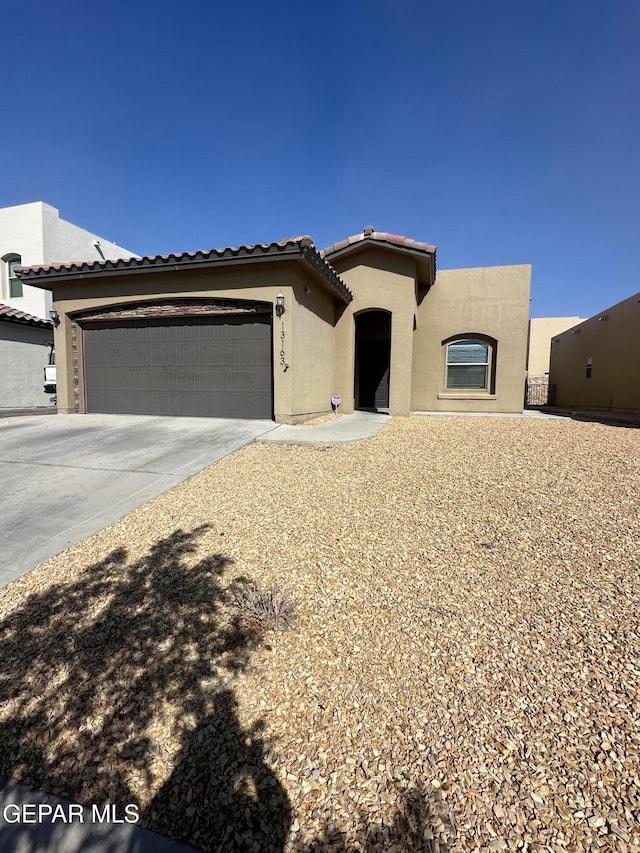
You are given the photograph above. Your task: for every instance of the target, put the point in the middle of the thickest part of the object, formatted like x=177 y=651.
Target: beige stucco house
x=276 y=330
x=596 y=364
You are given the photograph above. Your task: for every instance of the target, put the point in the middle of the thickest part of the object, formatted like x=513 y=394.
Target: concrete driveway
x=65 y=477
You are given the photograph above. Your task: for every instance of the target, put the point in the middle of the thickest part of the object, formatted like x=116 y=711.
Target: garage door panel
x=196 y=366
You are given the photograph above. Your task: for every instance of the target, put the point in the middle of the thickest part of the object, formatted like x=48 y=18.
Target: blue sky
x=503 y=131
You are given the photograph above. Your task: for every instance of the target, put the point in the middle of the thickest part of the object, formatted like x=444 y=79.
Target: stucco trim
x=176 y=307
x=466 y=396
x=75 y=366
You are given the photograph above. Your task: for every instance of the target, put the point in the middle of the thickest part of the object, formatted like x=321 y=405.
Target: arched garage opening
x=189 y=357
x=372 y=360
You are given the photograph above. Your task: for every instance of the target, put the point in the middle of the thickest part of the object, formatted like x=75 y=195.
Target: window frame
x=15 y=288
x=488 y=389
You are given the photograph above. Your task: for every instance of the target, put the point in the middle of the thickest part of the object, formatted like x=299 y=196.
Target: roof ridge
x=138 y=260
x=370 y=234
x=304 y=239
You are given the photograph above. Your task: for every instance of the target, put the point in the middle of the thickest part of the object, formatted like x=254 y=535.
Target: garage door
x=194 y=366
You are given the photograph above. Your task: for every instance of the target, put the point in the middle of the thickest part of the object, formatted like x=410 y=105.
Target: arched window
x=470 y=364
x=14 y=285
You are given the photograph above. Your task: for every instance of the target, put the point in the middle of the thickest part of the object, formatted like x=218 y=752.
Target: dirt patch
x=323 y=419
x=462 y=672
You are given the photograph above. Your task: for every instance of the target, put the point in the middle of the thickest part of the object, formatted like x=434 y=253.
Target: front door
x=373 y=358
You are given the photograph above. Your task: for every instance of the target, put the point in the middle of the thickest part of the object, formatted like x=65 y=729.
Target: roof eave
x=321 y=267
x=46 y=277
x=35 y=322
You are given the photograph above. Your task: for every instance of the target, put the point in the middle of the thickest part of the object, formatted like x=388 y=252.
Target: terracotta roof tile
x=382 y=237
x=160 y=260
x=301 y=247
x=12 y=315
x=423 y=253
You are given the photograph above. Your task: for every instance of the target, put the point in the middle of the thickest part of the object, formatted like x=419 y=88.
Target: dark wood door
x=373 y=374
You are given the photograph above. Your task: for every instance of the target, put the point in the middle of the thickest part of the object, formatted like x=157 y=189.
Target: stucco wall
x=541 y=330
x=36 y=233
x=488 y=301
x=23 y=355
x=64 y=241
x=300 y=390
x=309 y=347
x=21 y=233
x=384 y=280
x=611 y=339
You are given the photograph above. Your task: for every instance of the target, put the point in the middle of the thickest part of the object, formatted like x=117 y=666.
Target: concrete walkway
x=629 y=419
x=339 y=430
x=536 y=414
x=32 y=822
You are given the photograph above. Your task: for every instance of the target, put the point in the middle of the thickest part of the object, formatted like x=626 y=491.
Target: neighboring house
x=275 y=330
x=541 y=331
x=25 y=346
x=34 y=234
x=596 y=365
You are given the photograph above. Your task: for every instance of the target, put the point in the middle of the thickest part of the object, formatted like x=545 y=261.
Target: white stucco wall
x=21 y=233
x=36 y=232
x=24 y=352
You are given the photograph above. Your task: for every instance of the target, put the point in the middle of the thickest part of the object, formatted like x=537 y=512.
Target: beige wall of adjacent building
x=610 y=343
x=541 y=331
x=492 y=302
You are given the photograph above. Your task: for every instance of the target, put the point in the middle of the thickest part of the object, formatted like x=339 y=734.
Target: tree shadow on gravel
x=117 y=688
x=420 y=823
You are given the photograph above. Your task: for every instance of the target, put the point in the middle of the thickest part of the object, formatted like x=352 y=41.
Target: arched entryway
x=372 y=360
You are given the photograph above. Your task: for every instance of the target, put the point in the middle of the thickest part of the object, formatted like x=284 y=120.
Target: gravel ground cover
x=462 y=671
x=322 y=419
